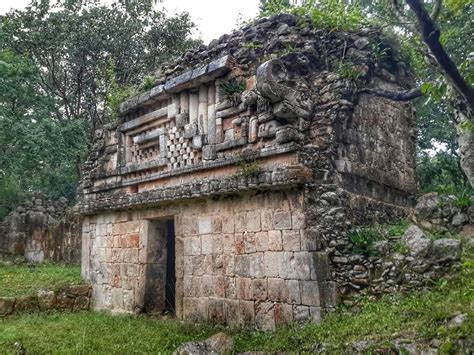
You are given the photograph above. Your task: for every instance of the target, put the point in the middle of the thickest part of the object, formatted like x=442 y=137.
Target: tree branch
x=403 y=95
x=436 y=10
x=430 y=34
x=399 y=14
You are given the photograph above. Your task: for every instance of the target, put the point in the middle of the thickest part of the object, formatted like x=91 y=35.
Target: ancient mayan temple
x=225 y=193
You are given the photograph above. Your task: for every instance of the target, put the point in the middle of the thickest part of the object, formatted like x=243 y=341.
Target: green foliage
x=466 y=126
x=232 y=89
x=398 y=229
x=461 y=193
x=363 y=239
x=346 y=70
x=248 y=165
x=288 y=49
x=332 y=15
x=28 y=279
x=401 y=247
x=39 y=152
x=65 y=67
x=271 y=7
x=252 y=45
x=441 y=169
x=148 y=83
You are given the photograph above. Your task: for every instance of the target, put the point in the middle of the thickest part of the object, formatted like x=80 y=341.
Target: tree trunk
x=465 y=130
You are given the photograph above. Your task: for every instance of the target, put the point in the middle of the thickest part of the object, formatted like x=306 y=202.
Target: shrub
x=232 y=89
x=363 y=239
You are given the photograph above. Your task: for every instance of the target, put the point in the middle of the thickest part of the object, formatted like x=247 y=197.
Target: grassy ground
x=419 y=317
x=18 y=280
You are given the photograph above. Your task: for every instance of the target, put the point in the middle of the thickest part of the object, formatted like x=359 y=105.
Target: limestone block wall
x=42 y=230
x=240 y=260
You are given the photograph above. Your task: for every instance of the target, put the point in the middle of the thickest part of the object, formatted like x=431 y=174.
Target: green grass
x=103 y=333
x=418 y=316
x=23 y=280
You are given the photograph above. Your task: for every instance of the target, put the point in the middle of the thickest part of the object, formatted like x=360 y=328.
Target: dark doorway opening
x=170 y=294
x=160 y=275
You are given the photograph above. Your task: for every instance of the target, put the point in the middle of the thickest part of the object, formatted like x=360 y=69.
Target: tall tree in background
x=64 y=68
x=86 y=52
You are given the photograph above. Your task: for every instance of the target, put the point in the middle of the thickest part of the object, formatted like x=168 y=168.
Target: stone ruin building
x=225 y=192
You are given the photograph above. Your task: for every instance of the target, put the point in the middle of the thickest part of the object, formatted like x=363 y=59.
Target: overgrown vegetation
x=27 y=279
x=65 y=66
x=419 y=317
x=363 y=238
x=232 y=89
x=438 y=160
x=346 y=70
x=247 y=165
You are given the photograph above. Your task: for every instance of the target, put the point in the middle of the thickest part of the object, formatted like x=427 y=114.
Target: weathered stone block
x=249 y=242
x=81 y=303
x=64 y=302
x=190 y=130
x=319 y=266
x=257 y=265
x=242 y=265
x=232 y=313
x=230 y=284
x=282 y=220
x=259 y=289
x=311 y=239
x=247 y=312
x=301 y=314
x=244 y=288
x=182 y=119
x=7 y=305
x=253 y=221
x=291 y=240
x=295 y=265
x=275 y=242
x=216 y=311
x=207 y=242
x=294 y=291
x=283 y=314
x=265 y=316
x=277 y=290
x=46 y=299
x=272 y=263
x=198 y=142
x=310 y=293
x=328 y=294
x=207 y=286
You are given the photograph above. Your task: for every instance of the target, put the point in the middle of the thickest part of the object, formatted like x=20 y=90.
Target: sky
x=213 y=17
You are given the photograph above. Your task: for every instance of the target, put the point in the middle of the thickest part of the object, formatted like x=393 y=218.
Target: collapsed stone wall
x=42 y=229
x=294 y=121
x=67 y=298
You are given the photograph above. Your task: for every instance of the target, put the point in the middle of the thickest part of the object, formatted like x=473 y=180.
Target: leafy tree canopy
x=65 y=66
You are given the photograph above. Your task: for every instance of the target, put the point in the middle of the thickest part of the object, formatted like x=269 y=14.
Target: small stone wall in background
x=41 y=230
x=73 y=297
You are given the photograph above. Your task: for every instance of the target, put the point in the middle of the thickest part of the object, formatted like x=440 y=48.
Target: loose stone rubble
x=219 y=343
x=257 y=154
x=42 y=229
